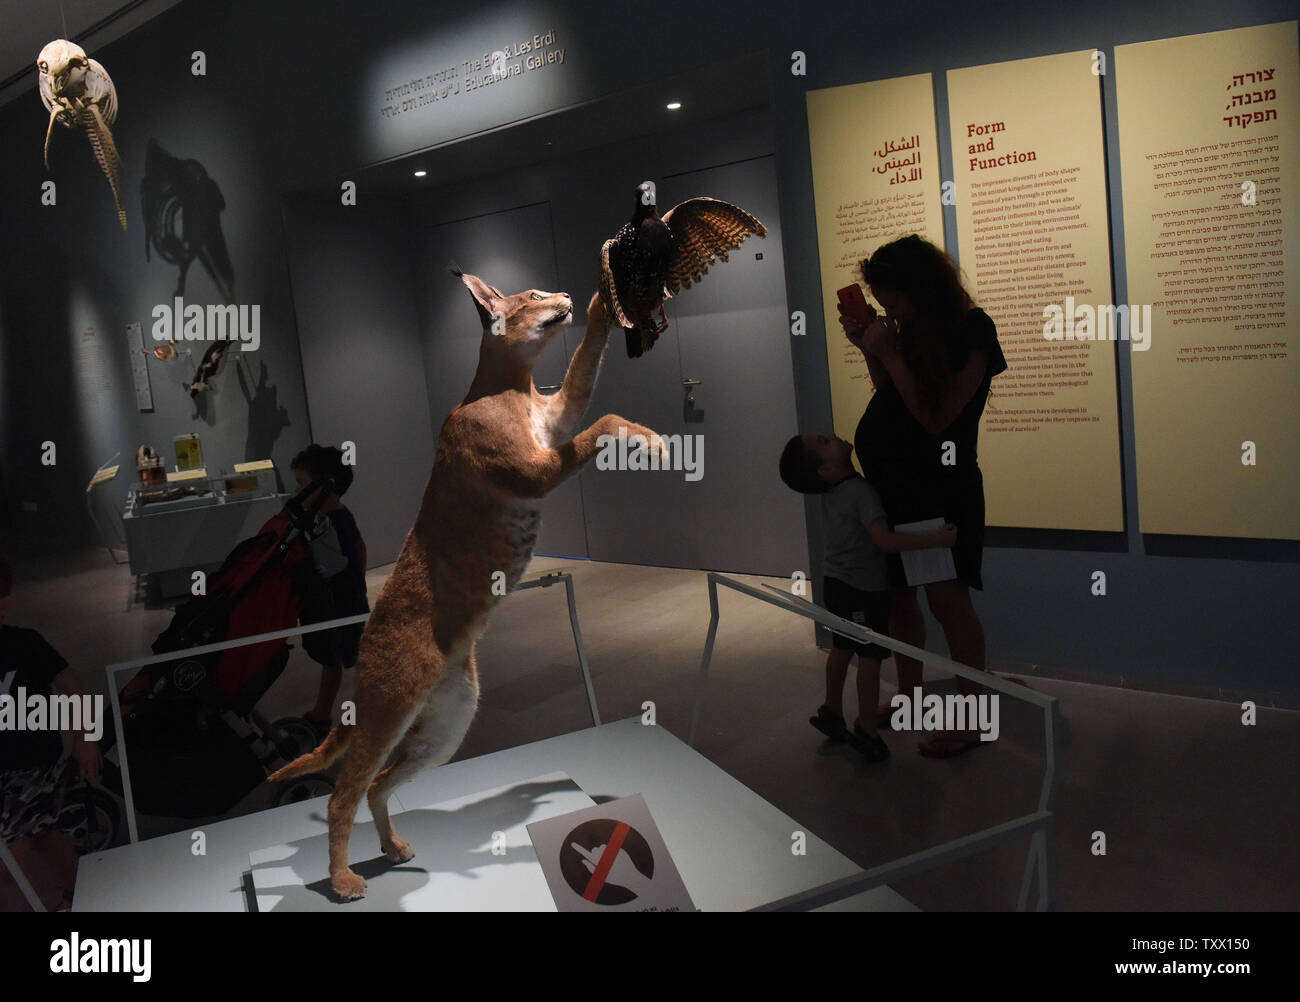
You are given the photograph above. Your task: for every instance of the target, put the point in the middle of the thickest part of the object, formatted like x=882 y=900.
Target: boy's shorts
x=30 y=801
x=866 y=608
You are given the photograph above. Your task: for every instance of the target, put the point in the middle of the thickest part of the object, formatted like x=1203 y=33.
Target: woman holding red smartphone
x=932 y=357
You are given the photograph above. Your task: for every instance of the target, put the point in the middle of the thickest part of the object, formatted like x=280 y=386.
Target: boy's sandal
x=871 y=745
x=830 y=723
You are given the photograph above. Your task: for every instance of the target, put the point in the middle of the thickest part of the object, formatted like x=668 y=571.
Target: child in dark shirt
x=855 y=583
x=339 y=555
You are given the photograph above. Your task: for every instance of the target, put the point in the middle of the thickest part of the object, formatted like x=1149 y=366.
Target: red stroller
x=197 y=745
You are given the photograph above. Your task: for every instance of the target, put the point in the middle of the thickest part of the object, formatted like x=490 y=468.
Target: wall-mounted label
x=875 y=159
x=139 y=367
x=1210 y=160
x=1033 y=240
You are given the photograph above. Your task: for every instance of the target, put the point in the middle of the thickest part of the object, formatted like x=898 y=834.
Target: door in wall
x=721 y=376
x=512 y=250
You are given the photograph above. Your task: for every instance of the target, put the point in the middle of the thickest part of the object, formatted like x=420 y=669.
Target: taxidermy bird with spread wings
x=77 y=91
x=652 y=258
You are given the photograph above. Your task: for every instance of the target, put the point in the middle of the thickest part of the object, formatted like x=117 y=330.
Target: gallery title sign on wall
x=474 y=72
x=467 y=76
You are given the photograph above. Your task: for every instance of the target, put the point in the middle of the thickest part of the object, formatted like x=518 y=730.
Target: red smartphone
x=855 y=304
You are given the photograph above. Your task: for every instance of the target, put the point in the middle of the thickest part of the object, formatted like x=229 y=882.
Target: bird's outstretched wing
x=704 y=231
x=607 y=290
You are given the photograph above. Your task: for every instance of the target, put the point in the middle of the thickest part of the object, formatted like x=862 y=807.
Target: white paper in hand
x=932 y=564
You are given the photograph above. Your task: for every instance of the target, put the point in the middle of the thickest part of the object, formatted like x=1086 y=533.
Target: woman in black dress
x=932 y=358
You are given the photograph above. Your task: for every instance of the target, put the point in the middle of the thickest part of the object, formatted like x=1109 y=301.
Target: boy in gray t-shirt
x=854 y=585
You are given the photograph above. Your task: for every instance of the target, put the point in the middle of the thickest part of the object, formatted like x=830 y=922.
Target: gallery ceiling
x=27 y=25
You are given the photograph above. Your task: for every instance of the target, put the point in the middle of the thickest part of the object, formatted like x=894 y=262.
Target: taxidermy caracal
x=500 y=452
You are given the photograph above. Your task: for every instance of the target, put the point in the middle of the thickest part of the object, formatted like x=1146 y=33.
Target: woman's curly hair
x=932 y=344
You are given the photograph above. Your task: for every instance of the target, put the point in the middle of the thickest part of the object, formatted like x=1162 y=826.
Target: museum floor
x=1199 y=812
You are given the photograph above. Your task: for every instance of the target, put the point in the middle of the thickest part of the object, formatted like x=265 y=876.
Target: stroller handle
x=302 y=519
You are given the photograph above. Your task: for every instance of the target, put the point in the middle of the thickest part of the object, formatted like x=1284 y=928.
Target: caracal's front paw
x=654 y=443
x=400 y=851
x=348 y=886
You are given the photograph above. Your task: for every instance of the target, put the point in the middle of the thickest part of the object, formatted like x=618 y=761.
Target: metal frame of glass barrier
x=543 y=580
x=1037 y=823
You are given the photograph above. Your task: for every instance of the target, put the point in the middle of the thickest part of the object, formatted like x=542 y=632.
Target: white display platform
x=454 y=869
x=732 y=847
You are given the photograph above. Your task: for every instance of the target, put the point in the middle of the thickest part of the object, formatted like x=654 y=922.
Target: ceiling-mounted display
x=78 y=92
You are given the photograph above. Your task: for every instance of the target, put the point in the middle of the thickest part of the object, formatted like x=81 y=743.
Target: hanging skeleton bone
x=77 y=91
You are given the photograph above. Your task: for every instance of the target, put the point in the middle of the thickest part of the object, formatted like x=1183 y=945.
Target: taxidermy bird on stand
x=651 y=258
x=77 y=91
x=208 y=368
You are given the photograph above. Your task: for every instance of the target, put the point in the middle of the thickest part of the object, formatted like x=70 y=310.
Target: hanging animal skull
x=77 y=91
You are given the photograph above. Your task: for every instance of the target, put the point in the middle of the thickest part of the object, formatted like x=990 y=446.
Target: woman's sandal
x=870 y=745
x=950 y=747
x=830 y=723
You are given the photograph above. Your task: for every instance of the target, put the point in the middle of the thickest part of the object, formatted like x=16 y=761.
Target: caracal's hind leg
x=365 y=755
x=431 y=740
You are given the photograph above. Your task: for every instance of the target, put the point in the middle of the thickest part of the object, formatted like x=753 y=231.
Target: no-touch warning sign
x=609 y=858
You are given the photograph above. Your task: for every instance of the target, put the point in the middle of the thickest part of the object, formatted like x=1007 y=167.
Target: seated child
x=31 y=765
x=854 y=585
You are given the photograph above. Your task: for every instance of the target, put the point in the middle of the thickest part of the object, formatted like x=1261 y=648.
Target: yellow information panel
x=1032 y=229
x=875 y=167
x=1208 y=133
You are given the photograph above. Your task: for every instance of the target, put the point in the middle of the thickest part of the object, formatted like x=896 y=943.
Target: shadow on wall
x=182 y=212
x=182 y=216
x=267 y=417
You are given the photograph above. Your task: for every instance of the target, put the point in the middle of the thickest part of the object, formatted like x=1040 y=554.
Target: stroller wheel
x=91 y=819
x=294 y=737
x=308 y=787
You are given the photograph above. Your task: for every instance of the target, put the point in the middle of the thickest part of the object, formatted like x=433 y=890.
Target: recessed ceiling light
x=421 y=173
x=674 y=105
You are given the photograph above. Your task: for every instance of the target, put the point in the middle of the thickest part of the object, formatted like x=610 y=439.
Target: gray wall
x=511 y=249
x=1207 y=617
x=70 y=267
x=352 y=277
x=729 y=331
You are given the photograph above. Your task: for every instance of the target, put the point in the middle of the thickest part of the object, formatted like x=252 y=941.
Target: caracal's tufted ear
x=486 y=299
